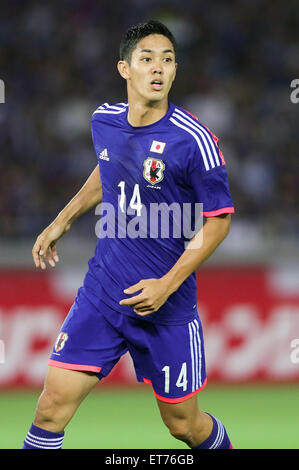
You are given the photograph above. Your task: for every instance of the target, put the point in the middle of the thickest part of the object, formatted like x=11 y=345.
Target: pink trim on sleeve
x=67 y=365
x=195 y=117
x=223 y=210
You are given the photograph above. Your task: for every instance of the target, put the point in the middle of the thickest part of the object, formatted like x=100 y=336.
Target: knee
x=181 y=429
x=188 y=427
x=50 y=407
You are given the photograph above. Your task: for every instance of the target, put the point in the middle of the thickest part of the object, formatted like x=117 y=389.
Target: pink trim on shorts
x=224 y=210
x=175 y=400
x=67 y=365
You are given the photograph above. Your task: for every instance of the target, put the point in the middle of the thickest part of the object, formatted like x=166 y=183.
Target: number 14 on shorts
x=181 y=380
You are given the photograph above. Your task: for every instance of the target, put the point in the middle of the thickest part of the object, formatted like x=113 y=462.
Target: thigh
x=169 y=357
x=67 y=387
x=63 y=392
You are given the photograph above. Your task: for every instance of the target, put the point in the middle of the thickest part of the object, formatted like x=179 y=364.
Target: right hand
x=44 y=248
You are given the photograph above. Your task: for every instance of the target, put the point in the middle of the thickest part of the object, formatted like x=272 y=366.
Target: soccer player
x=140 y=293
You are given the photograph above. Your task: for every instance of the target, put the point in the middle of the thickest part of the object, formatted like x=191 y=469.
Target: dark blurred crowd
x=236 y=63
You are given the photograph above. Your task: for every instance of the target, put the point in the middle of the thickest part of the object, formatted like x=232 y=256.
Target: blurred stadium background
x=237 y=61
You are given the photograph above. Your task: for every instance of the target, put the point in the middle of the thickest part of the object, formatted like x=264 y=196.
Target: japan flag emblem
x=157 y=147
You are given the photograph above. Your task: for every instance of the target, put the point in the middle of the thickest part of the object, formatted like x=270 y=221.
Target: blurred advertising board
x=250 y=317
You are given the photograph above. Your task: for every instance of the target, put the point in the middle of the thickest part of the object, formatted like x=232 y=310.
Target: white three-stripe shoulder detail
x=111 y=109
x=177 y=123
x=203 y=138
x=204 y=132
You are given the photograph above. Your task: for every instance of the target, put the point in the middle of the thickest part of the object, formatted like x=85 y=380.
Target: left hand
x=154 y=294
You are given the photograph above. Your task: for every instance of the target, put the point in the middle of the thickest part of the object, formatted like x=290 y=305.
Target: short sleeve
x=212 y=190
x=208 y=177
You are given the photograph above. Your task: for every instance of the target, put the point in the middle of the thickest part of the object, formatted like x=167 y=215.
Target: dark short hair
x=135 y=33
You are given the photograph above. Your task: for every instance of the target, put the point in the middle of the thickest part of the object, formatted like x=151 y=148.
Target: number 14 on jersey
x=135 y=202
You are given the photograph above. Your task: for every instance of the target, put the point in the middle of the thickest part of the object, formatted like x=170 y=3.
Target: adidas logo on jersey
x=104 y=155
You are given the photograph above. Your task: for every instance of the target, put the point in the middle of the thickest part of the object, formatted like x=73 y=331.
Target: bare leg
x=186 y=421
x=63 y=392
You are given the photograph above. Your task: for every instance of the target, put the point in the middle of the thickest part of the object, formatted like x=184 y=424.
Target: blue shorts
x=169 y=357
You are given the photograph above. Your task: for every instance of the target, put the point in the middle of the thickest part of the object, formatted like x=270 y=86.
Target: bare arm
x=214 y=232
x=87 y=197
x=155 y=292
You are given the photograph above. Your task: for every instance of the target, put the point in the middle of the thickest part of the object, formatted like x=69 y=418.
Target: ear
x=124 y=69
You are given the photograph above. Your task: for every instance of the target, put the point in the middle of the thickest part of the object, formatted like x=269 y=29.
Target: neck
x=143 y=114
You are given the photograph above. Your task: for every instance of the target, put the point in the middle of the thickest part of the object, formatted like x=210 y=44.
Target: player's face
x=152 y=69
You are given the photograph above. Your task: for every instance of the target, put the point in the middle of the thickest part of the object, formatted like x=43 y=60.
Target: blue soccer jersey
x=154 y=178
